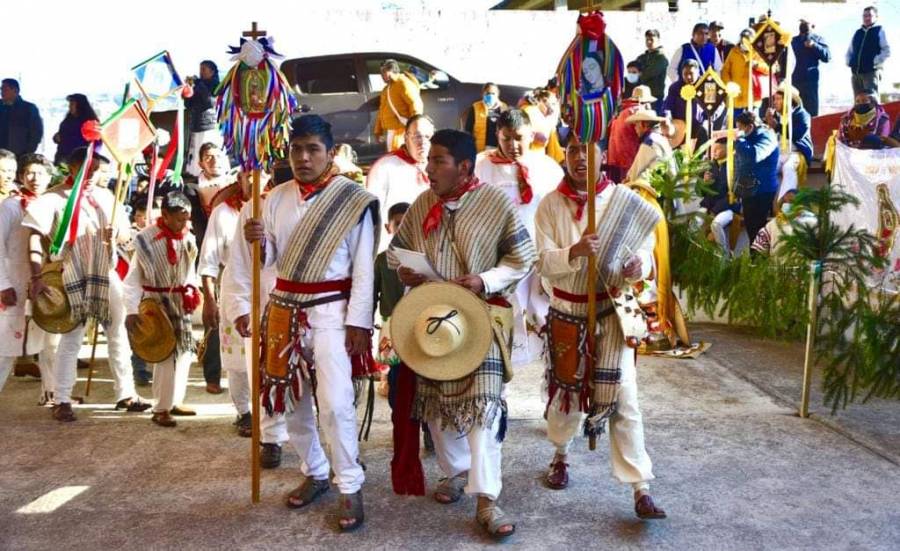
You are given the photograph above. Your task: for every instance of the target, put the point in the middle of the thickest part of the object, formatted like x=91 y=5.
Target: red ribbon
x=525 y=192
x=170 y=237
x=592 y=26
x=403 y=154
x=436 y=212
x=565 y=187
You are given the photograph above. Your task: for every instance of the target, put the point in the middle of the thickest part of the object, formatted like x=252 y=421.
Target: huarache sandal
x=647 y=510
x=350 y=512
x=449 y=490
x=132 y=405
x=163 y=419
x=306 y=493
x=63 y=412
x=493 y=520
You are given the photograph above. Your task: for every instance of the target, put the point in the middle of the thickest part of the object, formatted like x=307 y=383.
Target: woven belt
x=314 y=288
x=577 y=299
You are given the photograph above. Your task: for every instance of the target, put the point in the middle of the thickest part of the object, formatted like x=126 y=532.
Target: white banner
x=873 y=177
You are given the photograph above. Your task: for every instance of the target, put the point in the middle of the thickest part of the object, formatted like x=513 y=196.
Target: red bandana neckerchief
x=525 y=194
x=236 y=201
x=170 y=237
x=403 y=154
x=580 y=199
x=309 y=189
x=436 y=212
x=25 y=196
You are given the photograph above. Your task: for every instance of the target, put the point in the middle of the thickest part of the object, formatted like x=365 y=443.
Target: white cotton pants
x=720 y=228
x=170 y=381
x=119 y=350
x=46 y=359
x=629 y=459
x=238 y=366
x=477 y=452
x=787 y=166
x=337 y=416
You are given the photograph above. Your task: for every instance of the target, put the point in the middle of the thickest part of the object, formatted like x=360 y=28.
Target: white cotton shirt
x=44 y=211
x=393 y=181
x=220 y=232
x=236 y=285
x=15 y=273
x=544 y=175
x=354 y=258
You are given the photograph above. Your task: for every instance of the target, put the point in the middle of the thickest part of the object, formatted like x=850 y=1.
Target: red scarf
x=580 y=199
x=436 y=212
x=25 y=196
x=236 y=201
x=311 y=188
x=525 y=193
x=170 y=237
x=403 y=155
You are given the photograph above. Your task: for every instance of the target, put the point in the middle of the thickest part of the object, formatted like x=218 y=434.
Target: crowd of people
x=498 y=209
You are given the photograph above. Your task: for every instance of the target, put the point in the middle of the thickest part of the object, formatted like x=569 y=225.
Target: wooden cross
x=254 y=32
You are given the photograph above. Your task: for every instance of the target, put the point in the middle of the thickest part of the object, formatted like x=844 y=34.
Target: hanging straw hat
x=441 y=330
x=50 y=310
x=642 y=94
x=644 y=115
x=153 y=340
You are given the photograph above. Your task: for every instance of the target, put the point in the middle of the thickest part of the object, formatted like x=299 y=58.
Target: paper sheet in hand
x=417 y=262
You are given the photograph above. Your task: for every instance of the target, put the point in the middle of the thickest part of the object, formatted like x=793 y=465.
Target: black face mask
x=863 y=108
x=804 y=28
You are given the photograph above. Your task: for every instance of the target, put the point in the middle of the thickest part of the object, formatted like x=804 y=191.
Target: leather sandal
x=557 y=477
x=163 y=419
x=63 y=413
x=244 y=425
x=645 y=509
x=350 y=507
x=306 y=493
x=270 y=456
x=182 y=411
x=492 y=519
x=132 y=405
x=450 y=490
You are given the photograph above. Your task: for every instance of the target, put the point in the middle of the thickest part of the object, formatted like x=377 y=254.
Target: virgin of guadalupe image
x=592 y=82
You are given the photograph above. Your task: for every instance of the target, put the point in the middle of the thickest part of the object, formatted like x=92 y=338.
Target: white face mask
x=632 y=77
x=785 y=209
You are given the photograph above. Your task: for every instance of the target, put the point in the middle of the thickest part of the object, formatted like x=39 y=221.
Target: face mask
x=785 y=209
x=489 y=99
x=632 y=77
x=863 y=108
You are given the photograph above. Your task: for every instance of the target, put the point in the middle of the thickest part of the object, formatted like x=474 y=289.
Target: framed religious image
x=711 y=90
x=254 y=85
x=157 y=79
x=770 y=42
x=592 y=82
x=127 y=132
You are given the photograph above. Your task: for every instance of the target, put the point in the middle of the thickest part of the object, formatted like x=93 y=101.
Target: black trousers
x=756 y=211
x=212 y=362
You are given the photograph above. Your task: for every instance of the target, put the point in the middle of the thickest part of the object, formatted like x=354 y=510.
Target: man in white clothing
x=92 y=286
x=15 y=326
x=399 y=176
x=214 y=254
x=525 y=175
x=320 y=233
x=564 y=244
x=163 y=270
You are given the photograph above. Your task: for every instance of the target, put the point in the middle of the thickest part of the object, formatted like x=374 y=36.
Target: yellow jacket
x=406 y=100
x=736 y=69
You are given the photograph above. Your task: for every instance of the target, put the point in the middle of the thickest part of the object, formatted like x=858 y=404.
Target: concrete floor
x=736 y=469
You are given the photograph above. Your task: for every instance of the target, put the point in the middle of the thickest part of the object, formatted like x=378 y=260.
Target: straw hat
x=795 y=94
x=51 y=311
x=441 y=330
x=153 y=340
x=644 y=115
x=642 y=94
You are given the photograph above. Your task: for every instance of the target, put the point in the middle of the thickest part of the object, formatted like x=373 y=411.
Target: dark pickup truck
x=345 y=90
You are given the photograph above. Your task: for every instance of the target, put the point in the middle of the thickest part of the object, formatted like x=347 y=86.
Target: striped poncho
x=483 y=233
x=150 y=257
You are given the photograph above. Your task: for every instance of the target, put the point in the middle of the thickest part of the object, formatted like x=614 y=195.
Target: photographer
x=202 y=108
